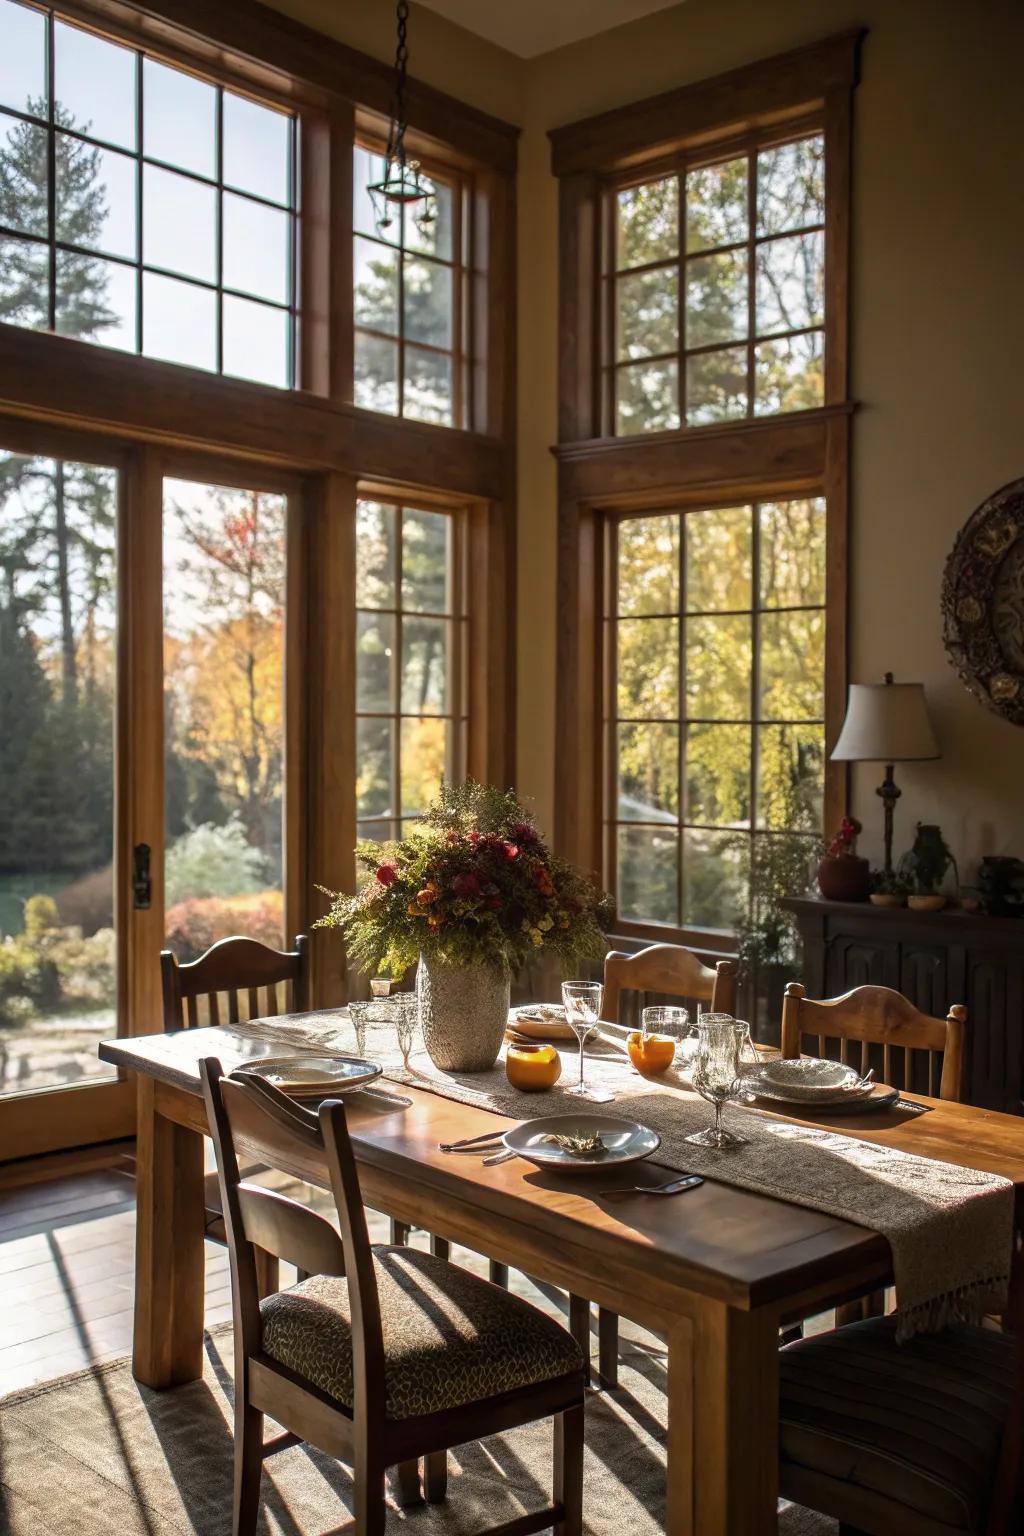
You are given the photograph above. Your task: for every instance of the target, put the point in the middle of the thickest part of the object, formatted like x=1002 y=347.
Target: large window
x=224 y=562
x=408 y=311
x=58 y=637
x=410 y=641
x=142 y=207
x=716 y=733
x=717 y=290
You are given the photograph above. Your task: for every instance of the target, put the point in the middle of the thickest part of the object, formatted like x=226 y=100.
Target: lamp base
x=890 y=793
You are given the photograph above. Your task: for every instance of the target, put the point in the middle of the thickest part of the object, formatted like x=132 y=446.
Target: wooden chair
x=920 y=1438
x=385 y=1354
x=208 y=990
x=666 y=970
x=879 y=1018
x=910 y=1047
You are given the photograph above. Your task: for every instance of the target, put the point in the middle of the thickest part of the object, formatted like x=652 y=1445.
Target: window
x=410 y=638
x=717 y=290
x=407 y=304
x=224 y=562
x=58 y=641
x=716 y=702
x=141 y=207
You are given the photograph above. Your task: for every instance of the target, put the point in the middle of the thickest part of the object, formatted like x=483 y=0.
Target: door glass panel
x=58 y=605
x=224 y=586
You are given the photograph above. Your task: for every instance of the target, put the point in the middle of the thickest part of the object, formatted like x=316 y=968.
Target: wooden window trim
x=763 y=458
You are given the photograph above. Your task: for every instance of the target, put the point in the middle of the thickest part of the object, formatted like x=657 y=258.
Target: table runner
x=950 y=1228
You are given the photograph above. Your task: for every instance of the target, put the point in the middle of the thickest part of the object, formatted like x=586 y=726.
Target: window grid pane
x=717 y=627
x=716 y=291
x=410 y=649
x=162 y=182
x=408 y=295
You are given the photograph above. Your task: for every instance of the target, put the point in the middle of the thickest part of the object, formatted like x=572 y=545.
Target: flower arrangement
x=844 y=844
x=472 y=884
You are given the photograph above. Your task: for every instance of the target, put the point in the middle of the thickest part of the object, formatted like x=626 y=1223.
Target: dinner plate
x=313 y=1077
x=622 y=1141
x=541 y=1021
x=879 y=1096
x=807 y=1080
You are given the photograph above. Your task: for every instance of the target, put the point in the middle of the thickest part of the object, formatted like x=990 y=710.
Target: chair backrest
x=232 y=969
x=249 y=1116
x=667 y=970
x=878 y=1017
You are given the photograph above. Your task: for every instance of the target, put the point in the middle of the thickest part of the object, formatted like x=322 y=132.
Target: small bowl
x=932 y=903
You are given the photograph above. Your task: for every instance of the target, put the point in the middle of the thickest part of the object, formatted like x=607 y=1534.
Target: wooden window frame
x=456 y=616
x=695 y=157
x=146 y=415
x=765 y=458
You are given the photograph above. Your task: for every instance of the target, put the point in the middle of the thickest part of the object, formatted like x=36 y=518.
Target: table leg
x=169 y=1267
x=723 y=1424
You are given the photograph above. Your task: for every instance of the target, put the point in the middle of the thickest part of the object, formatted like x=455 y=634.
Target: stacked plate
x=313 y=1077
x=539 y=1021
x=812 y=1083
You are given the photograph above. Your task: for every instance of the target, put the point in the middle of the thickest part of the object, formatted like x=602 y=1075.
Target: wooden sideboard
x=935 y=959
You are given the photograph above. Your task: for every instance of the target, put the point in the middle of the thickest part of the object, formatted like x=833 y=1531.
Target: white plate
x=623 y=1141
x=877 y=1096
x=314 y=1077
x=808 y=1077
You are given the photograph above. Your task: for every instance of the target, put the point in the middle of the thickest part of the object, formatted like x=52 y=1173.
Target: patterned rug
x=97 y=1455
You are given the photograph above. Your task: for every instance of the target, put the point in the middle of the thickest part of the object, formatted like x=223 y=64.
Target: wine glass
x=582 y=1001
x=406 y=1013
x=716 y=1076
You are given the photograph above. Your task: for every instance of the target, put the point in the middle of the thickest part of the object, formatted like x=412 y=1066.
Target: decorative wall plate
x=983 y=603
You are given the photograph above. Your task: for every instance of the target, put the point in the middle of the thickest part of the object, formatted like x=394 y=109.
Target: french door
x=153 y=619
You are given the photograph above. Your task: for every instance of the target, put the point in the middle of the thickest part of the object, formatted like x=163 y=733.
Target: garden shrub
x=192 y=926
x=213 y=860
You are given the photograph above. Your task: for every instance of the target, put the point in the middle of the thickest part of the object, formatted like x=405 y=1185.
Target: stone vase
x=463 y=1014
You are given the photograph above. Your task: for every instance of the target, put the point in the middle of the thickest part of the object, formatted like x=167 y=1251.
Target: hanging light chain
x=396 y=137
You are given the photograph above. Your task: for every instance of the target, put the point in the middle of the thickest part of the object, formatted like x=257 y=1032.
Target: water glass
x=582 y=1001
x=670 y=1022
x=716 y=1076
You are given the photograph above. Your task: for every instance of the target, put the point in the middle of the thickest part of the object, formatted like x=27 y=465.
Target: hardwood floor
x=67 y=1265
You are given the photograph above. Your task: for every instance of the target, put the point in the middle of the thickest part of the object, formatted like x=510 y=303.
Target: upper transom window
x=141 y=207
x=407 y=303
x=717 y=290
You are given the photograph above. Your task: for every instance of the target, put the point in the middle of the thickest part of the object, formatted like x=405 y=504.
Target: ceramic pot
x=847 y=878
x=929 y=903
x=533 y=1068
x=463 y=1014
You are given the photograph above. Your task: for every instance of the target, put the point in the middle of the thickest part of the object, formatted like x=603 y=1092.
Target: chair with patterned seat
x=924 y=1438
x=385 y=1355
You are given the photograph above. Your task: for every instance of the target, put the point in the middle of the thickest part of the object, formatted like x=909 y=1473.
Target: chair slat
x=908 y=1069
x=272 y=1007
x=233 y=1015
x=214 y=1008
x=931 y=1074
x=864 y=1057
x=887 y=1062
x=254 y=1003
x=844 y=1051
x=193 y=1013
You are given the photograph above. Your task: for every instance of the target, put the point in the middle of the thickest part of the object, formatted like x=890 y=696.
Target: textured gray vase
x=463 y=1013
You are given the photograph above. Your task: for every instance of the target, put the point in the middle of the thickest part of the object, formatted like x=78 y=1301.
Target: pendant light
x=403 y=186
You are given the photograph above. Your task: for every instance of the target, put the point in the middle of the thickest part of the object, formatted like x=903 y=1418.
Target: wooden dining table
x=715 y=1271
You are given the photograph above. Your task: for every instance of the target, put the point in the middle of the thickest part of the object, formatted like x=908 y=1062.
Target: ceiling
x=529 y=27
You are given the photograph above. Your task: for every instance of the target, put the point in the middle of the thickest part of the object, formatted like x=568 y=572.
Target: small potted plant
x=925 y=867
x=469 y=895
x=842 y=875
x=888 y=889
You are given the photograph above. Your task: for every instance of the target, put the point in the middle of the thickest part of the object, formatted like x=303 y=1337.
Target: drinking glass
x=406 y=1013
x=716 y=1076
x=582 y=1001
x=749 y=1061
x=672 y=1023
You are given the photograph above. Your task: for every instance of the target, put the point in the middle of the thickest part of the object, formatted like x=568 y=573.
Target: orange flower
x=428 y=894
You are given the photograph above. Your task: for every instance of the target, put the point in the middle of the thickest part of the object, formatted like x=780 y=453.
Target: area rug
x=95 y=1454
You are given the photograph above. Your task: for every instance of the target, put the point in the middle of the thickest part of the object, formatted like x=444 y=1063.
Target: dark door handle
x=142 y=885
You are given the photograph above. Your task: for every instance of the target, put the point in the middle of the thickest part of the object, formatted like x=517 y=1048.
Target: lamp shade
x=886 y=723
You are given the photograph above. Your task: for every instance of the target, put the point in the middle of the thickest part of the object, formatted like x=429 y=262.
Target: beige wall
x=938 y=327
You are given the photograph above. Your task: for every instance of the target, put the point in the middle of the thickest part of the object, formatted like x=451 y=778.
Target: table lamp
x=886 y=723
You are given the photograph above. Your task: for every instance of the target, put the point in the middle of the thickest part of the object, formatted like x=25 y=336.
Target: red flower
x=524 y=834
x=466 y=885
x=511 y=851
x=542 y=880
x=387 y=873
x=474 y=838
x=494 y=902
